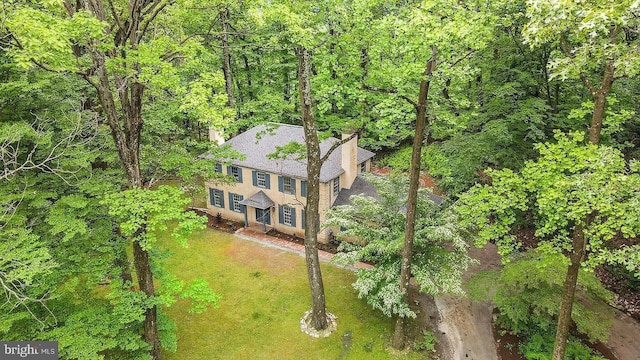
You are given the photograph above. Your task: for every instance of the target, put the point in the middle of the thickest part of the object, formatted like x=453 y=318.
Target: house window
x=218 y=168
x=363 y=167
x=261 y=179
x=286 y=215
x=216 y=198
x=235 y=202
x=336 y=186
x=286 y=184
x=236 y=173
x=263 y=216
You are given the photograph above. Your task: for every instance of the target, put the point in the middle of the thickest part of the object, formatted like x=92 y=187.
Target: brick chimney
x=216 y=136
x=349 y=160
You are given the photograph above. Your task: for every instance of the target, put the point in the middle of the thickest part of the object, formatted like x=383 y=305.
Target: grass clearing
x=264 y=294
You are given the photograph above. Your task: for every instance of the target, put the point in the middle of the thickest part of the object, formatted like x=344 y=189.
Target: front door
x=263 y=216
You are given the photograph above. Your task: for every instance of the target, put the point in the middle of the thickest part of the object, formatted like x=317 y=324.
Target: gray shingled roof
x=360 y=187
x=363 y=187
x=261 y=140
x=259 y=200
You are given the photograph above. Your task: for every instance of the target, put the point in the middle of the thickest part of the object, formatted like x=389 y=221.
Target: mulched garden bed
x=627 y=298
x=219 y=223
x=222 y=224
x=328 y=247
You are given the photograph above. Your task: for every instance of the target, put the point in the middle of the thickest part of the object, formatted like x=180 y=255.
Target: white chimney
x=216 y=136
x=349 y=160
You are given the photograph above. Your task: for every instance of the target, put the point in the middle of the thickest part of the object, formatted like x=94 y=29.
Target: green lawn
x=264 y=294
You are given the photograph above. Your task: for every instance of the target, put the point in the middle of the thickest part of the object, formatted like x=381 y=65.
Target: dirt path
x=624 y=339
x=467 y=327
x=463 y=327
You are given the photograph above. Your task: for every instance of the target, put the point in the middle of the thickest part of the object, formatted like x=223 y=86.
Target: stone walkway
x=271 y=241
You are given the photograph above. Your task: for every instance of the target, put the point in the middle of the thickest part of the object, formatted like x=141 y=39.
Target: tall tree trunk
x=600 y=95
x=286 y=91
x=412 y=197
x=145 y=282
x=568 y=292
x=124 y=116
x=314 y=163
x=599 y=107
x=334 y=65
x=226 y=58
x=247 y=70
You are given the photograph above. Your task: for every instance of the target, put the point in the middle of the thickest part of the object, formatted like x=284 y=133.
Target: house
x=271 y=193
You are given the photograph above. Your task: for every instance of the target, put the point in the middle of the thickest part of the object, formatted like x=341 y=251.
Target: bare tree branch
x=15 y=158
x=336 y=144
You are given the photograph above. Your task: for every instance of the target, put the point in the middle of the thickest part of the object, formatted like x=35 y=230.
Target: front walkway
x=264 y=239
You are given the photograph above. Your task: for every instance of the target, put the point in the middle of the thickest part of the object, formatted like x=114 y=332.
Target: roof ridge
x=280 y=124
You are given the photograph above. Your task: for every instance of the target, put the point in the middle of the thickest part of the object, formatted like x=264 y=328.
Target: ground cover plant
x=264 y=293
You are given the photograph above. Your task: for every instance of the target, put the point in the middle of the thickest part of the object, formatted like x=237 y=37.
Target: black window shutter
x=303 y=188
x=267 y=181
x=254 y=177
x=280 y=185
x=280 y=215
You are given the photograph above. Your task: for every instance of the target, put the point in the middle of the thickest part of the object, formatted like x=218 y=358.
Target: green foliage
x=88 y=333
x=168 y=332
x=143 y=212
x=399 y=160
x=482 y=285
x=587 y=28
x=206 y=101
x=568 y=182
x=539 y=346
x=47 y=38
x=26 y=265
x=197 y=292
x=428 y=342
x=374 y=231
x=529 y=293
x=458 y=163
